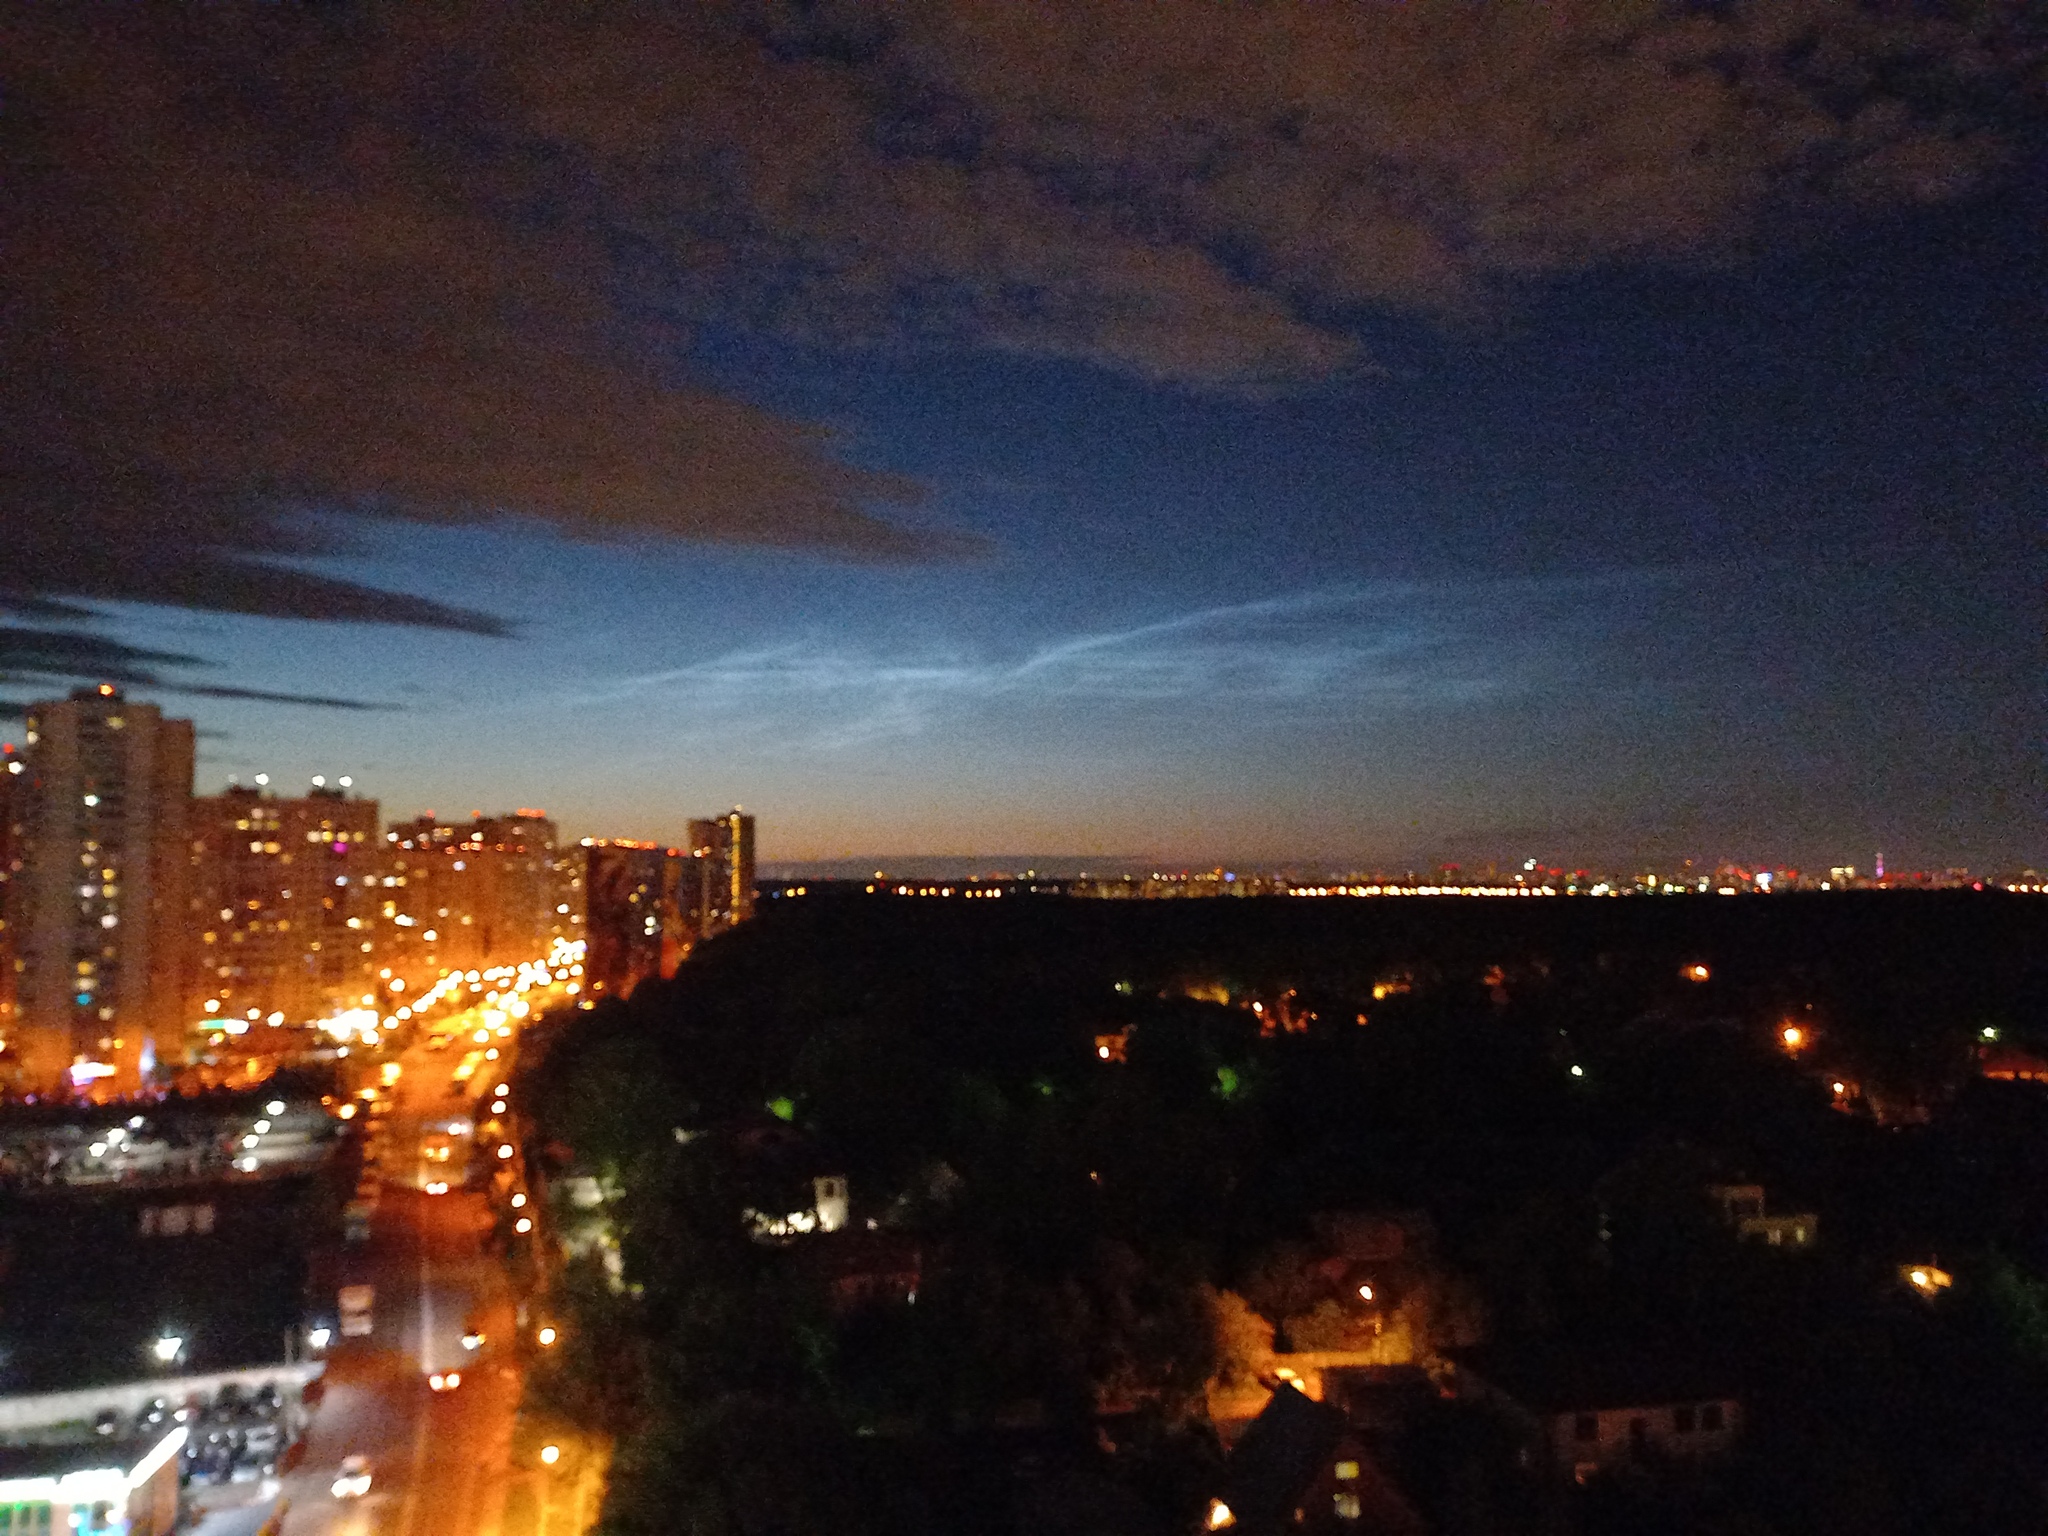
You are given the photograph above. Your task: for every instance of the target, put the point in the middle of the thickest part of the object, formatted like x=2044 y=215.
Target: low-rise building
x=1589 y=1410
x=1742 y=1207
x=92 y=1487
x=1299 y=1466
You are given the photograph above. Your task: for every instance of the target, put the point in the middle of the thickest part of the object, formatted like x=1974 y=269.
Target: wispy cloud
x=1385 y=647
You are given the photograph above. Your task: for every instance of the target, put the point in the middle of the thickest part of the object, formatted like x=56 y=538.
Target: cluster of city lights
x=1435 y=890
x=916 y=890
x=246 y=1161
x=501 y=989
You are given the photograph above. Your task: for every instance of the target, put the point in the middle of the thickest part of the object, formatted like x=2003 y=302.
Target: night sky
x=1193 y=432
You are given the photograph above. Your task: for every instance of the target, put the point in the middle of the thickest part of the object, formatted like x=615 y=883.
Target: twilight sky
x=1192 y=432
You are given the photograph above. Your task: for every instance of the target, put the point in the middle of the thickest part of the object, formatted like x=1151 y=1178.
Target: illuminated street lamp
x=167 y=1347
x=551 y=1454
x=546 y=1337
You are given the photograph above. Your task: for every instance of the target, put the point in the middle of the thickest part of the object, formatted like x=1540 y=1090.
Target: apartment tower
x=100 y=906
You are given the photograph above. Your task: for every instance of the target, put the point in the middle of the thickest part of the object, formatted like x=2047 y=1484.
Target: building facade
x=719 y=885
x=101 y=903
x=287 y=904
x=11 y=770
x=634 y=924
x=461 y=896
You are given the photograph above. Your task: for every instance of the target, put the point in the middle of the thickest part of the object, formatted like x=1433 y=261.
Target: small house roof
x=1278 y=1456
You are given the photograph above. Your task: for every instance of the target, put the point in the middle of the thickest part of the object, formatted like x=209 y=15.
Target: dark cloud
x=1200 y=191
x=37 y=658
x=436 y=261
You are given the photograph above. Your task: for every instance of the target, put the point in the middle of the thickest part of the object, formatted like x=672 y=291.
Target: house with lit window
x=1301 y=1467
x=1742 y=1209
x=1586 y=1411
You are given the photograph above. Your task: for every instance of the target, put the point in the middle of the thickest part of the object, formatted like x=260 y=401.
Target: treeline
x=1075 y=1126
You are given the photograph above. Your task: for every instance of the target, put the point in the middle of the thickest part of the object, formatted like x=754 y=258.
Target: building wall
x=1677 y=1430
x=104 y=885
x=719 y=886
x=12 y=769
x=460 y=896
x=633 y=913
x=286 y=905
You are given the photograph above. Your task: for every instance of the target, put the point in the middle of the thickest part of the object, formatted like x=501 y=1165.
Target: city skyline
x=655 y=824
x=139 y=918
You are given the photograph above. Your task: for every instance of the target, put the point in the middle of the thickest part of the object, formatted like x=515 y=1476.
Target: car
x=354 y=1480
x=444 y=1381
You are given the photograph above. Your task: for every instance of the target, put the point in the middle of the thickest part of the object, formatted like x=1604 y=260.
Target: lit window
x=1347 y=1471
x=1346 y=1505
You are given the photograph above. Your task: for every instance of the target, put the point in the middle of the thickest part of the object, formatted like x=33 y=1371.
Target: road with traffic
x=442 y=1462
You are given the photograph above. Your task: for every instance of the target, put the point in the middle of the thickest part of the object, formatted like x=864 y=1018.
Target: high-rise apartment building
x=11 y=770
x=720 y=883
x=101 y=901
x=633 y=919
x=644 y=906
x=461 y=896
x=519 y=895
x=287 y=904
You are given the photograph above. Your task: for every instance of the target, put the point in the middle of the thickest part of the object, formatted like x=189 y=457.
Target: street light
x=551 y=1454
x=167 y=1348
x=545 y=1338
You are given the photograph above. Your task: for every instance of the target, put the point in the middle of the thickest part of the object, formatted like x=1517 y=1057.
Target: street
x=441 y=1461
